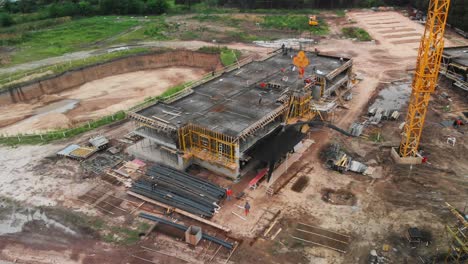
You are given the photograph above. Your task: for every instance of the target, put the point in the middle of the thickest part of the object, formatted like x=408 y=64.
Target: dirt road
x=191 y=45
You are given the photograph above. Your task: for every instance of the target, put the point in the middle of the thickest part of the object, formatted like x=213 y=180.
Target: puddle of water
x=13 y=219
x=62 y=106
x=393 y=97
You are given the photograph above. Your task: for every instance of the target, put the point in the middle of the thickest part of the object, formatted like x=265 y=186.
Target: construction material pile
x=180 y=190
x=338 y=160
x=184 y=228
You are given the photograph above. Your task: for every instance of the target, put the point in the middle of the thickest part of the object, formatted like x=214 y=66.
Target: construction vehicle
x=425 y=76
x=313 y=21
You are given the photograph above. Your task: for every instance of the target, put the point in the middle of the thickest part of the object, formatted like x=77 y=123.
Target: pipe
x=184 y=228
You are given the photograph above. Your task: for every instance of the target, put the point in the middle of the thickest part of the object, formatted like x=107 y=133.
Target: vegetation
x=8 y=80
x=356 y=33
x=227 y=56
x=69 y=37
x=295 y=22
x=225 y=19
x=61 y=133
x=97 y=226
x=340 y=13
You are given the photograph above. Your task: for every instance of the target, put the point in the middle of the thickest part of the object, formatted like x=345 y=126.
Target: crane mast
x=425 y=76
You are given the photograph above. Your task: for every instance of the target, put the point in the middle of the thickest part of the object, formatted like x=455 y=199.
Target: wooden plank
x=324 y=229
x=232 y=252
x=276 y=234
x=163 y=253
x=271 y=227
x=147 y=260
x=182 y=212
x=318 y=244
x=241 y=217
x=327 y=237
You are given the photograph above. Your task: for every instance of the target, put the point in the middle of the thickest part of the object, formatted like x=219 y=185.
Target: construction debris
x=77 y=152
x=99 y=142
x=321 y=237
x=338 y=160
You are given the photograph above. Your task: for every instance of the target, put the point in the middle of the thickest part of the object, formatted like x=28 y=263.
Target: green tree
x=6 y=20
x=85 y=8
x=135 y=7
x=157 y=7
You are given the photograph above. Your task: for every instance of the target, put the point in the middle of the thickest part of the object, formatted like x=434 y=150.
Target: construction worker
x=228 y=193
x=247 y=208
x=458 y=123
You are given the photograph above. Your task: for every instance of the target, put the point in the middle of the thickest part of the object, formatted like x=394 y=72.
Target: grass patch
x=61 y=133
x=340 y=13
x=35 y=25
x=244 y=37
x=5 y=79
x=295 y=22
x=227 y=56
x=225 y=19
x=189 y=35
x=305 y=11
x=356 y=33
x=97 y=226
x=156 y=29
x=68 y=37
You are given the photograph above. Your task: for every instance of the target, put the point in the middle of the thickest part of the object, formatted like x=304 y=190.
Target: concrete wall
x=71 y=79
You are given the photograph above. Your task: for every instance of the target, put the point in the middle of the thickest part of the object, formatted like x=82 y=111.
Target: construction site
x=329 y=150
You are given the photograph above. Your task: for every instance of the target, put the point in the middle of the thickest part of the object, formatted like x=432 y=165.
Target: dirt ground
x=93 y=100
x=370 y=210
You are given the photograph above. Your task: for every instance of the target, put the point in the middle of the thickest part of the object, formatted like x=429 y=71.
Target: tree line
x=59 y=8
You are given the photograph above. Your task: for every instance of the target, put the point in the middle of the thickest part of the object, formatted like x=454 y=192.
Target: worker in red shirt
x=228 y=194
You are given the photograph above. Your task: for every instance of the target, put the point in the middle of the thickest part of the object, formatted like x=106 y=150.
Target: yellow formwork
x=300 y=109
x=209 y=145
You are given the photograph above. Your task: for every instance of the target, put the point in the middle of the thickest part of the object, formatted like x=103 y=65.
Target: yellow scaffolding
x=458 y=249
x=208 y=145
x=300 y=108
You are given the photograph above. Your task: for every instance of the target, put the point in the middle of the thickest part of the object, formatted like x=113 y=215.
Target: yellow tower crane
x=425 y=76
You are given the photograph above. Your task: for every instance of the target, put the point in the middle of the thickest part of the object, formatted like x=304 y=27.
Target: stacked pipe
x=184 y=228
x=180 y=190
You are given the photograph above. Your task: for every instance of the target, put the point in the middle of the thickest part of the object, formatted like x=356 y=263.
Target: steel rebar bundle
x=180 y=190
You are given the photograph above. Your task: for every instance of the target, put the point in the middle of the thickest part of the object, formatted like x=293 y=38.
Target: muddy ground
x=370 y=211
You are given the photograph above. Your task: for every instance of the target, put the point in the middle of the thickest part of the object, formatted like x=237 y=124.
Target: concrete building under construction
x=455 y=66
x=217 y=122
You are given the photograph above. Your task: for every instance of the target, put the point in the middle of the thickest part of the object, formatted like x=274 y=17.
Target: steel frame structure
x=425 y=76
x=458 y=249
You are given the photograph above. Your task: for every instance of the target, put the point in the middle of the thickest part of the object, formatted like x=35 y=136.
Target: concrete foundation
x=404 y=160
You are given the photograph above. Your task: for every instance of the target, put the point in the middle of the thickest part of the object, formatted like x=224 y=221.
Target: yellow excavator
x=313 y=21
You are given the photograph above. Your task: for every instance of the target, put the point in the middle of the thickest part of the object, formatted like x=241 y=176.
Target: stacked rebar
x=184 y=228
x=180 y=190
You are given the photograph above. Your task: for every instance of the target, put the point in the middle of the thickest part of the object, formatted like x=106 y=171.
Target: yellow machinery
x=425 y=77
x=313 y=21
x=458 y=233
